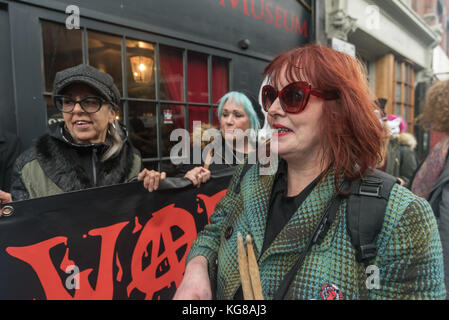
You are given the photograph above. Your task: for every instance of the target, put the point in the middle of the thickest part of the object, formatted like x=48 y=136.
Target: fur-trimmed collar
x=63 y=164
x=407 y=139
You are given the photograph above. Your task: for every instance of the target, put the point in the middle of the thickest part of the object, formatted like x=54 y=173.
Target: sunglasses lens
x=292 y=98
x=269 y=95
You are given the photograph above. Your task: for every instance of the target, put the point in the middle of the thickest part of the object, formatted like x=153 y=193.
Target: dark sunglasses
x=294 y=97
x=88 y=104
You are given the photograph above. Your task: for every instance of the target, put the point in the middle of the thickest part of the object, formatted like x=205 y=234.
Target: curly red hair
x=353 y=135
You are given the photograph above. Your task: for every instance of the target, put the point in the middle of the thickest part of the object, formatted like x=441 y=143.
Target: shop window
x=105 y=53
x=220 y=78
x=140 y=69
x=171 y=89
x=395 y=79
x=198 y=113
x=172 y=117
x=172 y=73
x=62 y=49
x=404 y=92
x=197 y=78
x=163 y=87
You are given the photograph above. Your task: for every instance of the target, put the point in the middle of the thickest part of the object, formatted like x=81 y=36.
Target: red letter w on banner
x=38 y=257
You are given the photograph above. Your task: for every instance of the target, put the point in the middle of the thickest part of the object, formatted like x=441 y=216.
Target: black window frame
x=157 y=40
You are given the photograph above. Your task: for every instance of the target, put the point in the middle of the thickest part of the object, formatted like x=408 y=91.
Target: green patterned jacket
x=409 y=256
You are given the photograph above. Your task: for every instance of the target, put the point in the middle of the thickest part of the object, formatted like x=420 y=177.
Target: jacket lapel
x=294 y=236
x=256 y=202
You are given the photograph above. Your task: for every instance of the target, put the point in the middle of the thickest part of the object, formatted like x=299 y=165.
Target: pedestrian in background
x=432 y=178
x=237 y=112
x=400 y=158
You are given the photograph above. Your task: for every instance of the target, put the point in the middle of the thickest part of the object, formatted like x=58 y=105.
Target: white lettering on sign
x=73 y=20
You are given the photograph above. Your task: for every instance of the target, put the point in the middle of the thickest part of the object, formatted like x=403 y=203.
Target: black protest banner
x=118 y=242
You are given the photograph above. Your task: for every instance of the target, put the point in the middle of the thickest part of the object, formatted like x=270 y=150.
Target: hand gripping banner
x=118 y=242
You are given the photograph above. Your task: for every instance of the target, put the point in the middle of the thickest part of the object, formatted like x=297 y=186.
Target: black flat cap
x=83 y=73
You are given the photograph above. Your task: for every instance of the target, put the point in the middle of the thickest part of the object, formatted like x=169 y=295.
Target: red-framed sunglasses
x=294 y=97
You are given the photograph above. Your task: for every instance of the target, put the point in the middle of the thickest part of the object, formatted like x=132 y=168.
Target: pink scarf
x=431 y=169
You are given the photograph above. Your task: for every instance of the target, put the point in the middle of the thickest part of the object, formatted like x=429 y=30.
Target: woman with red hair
x=322 y=115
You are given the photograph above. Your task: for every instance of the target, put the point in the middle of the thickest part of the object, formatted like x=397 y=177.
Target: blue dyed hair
x=242 y=100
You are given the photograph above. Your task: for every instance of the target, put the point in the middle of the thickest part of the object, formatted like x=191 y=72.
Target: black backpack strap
x=366 y=210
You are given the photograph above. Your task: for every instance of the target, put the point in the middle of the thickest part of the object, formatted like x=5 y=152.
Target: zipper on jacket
x=94 y=165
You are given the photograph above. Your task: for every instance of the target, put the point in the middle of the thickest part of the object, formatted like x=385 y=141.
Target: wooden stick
x=244 y=271
x=208 y=159
x=254 y=270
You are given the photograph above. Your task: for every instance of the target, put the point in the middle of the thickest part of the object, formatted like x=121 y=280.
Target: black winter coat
x=55 y=164
x=10 y=149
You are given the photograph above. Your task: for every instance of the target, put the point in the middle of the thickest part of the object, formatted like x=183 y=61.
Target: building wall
x=436 y=14
x=396 y=45
x=7 y=109
x=247 y=34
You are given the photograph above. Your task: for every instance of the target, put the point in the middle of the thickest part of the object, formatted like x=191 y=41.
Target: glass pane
x=410 y=75
x=53 y=114
x=140 y=69
x=220 y=78
x=62 y=50
x=398 y=72
x=172 y=117
x=407 y=113
x=398 y=93
x=407 y=74
x=398 y=109
x=407 y=94
x=105 y=52
x=198 y=113
x=143 y=127
x=197 y=77
x=171 y=74
x=411 y=96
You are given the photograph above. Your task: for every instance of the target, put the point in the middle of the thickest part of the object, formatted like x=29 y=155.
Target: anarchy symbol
x=169 y=234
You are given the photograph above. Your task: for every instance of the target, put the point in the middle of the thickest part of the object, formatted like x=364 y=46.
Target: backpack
x=366 y=211
x=367 y=200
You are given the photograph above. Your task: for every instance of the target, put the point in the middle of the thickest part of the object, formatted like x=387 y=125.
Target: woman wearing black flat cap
x=89 y=149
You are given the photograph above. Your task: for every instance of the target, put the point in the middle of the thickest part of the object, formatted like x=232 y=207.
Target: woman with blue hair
x=240 y=117
x=245 y=101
